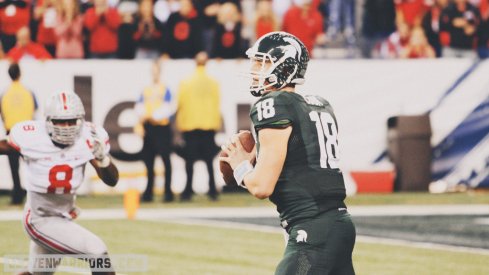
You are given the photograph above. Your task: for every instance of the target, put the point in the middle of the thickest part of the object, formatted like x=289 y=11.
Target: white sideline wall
x=364 y=93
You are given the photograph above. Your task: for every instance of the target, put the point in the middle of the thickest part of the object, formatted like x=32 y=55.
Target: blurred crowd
x=128 y=29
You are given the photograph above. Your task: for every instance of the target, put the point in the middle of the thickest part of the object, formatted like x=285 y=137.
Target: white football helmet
x=64 y=107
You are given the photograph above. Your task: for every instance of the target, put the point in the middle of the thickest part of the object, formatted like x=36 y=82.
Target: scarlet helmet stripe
x=63 y=95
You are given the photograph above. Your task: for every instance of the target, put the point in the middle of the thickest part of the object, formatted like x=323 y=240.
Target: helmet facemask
x=261 y=73
x=64 y=131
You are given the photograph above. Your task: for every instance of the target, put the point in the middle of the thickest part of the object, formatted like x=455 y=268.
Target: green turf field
x=244 y=199
x=184 y=249
x=192 y=249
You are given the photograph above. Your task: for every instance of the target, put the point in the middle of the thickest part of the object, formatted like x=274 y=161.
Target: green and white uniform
x=310 y=191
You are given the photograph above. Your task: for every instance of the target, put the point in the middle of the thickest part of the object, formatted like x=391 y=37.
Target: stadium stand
x=128 y=29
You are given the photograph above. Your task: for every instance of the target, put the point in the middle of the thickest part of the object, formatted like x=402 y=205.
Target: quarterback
x=55 y=152
x=297 y=160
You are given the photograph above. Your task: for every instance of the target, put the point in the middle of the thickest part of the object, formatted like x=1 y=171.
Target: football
x=247 y=141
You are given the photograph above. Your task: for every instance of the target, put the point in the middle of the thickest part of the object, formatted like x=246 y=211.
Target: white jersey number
x=265 y=109
x=327 y=137
x=60 y=177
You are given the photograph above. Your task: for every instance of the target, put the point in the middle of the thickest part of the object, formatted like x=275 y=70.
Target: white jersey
x=51 y=169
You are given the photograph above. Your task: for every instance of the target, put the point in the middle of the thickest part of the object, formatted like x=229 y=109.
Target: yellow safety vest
x=18 y=104
x=152 y=101
x=199 y=105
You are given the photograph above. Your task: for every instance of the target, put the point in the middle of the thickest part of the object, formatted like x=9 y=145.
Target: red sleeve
x=42 y=53
x=319 y=23
x=15 y=54
x=38 y=51
x=91 y=19
x=113 y=19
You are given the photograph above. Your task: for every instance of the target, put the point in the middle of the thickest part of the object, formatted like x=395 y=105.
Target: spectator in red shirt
x=102 y=23
x=14 y=14
x=26 y=49
x=410 y=12
x=69 y=31
x=46 y=14
x=306 y=23
x=265 y=20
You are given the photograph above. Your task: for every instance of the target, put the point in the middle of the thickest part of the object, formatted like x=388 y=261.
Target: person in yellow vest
x=17 y=104
x=155 y=109
x=198 y=118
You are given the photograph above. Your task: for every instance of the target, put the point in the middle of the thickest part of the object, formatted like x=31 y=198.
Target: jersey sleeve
x=23 y=135
x=272 y=111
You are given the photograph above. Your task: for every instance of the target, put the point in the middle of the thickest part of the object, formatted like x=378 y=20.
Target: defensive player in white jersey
x=55 y=152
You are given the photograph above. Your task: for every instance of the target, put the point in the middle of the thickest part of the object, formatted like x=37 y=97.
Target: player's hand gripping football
x=236 y=153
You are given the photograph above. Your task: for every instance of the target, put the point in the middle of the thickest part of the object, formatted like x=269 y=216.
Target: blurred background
x=402 y=122
x=407 y=80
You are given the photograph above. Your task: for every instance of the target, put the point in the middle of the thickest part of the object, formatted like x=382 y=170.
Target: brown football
x=246 y=139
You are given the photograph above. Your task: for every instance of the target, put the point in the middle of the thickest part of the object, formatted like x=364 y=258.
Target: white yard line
x=364 y=239
x=257 y=212
x=195 y=216
x=419 y=210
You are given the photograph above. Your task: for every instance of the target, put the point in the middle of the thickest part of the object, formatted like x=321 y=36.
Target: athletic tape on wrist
x=104 y=162
x=243 y=169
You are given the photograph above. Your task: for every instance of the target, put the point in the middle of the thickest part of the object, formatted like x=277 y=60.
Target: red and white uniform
x=53 y=176
x=51 y=169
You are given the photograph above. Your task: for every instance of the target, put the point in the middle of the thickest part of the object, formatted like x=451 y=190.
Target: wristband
x=104 y=163
x=243 y=169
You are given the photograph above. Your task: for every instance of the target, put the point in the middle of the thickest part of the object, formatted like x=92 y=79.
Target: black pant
x=321 y=245
x=157 y=141
x=199 y=145
x=17 y=192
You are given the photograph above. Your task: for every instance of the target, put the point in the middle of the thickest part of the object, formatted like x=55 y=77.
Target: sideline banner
x=364 y=93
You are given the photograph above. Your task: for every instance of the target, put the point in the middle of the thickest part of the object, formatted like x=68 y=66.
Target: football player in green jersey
x=297 y=159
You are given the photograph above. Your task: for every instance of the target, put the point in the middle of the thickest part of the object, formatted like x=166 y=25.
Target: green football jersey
x=310 y=182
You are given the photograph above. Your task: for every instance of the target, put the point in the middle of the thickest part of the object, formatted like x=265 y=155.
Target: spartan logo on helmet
x=278 y=59
x=301 y=236
x=65 y=115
